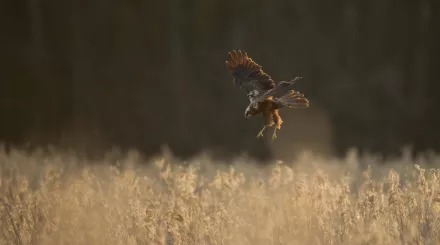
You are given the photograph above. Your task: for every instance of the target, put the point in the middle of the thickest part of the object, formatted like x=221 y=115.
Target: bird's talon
x=260 y=134
x=274 y=135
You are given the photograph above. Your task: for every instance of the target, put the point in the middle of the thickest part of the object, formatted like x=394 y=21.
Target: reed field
x=60 y=198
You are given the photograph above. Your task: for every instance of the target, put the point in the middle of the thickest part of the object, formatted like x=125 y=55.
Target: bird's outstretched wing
x=281 y=89
x=248 y=75
x=292 y=99
x=283 y=95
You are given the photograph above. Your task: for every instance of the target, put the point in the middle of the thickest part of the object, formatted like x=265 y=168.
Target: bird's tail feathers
x=294 y=99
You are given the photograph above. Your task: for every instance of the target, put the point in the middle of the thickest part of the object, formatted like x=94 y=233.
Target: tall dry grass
x=60 y=198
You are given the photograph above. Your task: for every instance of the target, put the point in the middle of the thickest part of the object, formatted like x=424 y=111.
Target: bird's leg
x=260 y=134
x=274 y=135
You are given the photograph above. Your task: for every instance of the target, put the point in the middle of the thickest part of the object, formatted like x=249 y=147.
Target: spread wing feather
x=248 y=75
x=281 y=89
x=283 y=95
x=292 y=99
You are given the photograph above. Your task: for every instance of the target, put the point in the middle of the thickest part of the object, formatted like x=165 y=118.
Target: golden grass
x=60 y=198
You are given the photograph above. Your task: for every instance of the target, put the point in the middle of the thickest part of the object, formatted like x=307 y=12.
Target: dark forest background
x=93 y=74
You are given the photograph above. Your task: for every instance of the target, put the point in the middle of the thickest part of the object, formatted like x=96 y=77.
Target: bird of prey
x=265 y=96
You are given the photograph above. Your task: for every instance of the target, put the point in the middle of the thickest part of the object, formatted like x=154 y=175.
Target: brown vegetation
x=59 y=198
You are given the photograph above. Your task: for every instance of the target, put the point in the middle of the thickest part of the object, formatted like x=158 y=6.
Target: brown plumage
x=265 y=96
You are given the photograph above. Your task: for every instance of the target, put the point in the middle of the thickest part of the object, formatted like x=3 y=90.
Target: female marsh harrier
x=264 y=95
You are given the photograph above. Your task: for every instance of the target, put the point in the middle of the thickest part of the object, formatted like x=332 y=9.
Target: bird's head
x=247 y=115
x=251 y=110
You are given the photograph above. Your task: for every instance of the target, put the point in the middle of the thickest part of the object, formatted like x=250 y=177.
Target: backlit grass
x=60 y=198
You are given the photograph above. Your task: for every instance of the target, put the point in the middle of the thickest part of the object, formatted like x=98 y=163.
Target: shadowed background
x=142 y=74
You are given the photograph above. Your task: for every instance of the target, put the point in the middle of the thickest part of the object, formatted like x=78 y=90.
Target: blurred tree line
x=147 y=73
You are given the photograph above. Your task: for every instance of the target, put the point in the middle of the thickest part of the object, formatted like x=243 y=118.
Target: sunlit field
x=60 y=198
